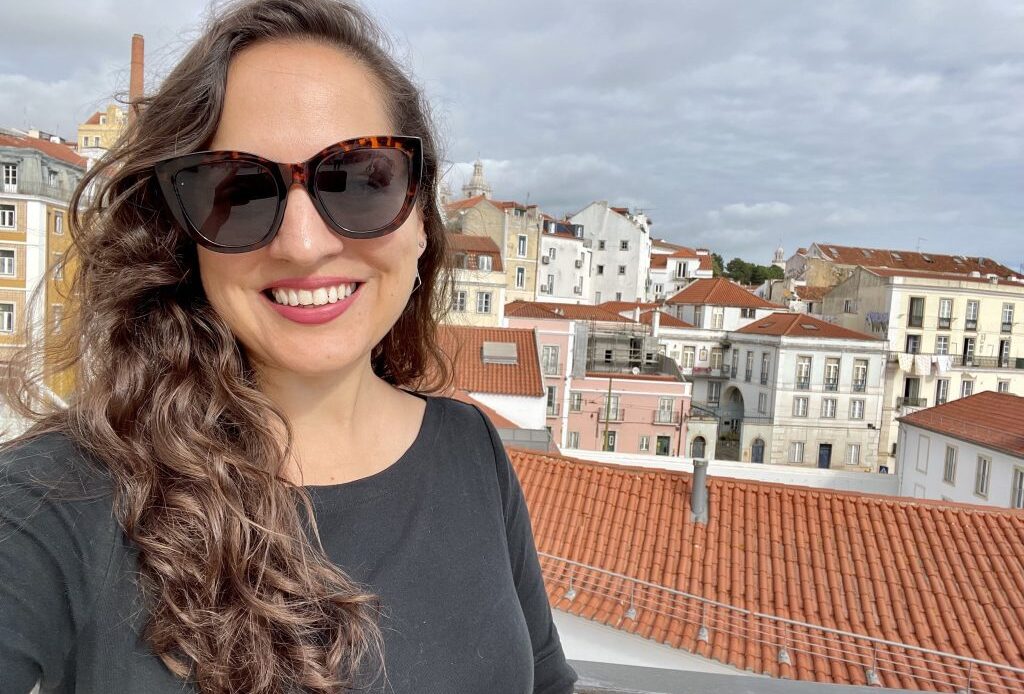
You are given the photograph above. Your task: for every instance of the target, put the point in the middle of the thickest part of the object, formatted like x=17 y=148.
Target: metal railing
x=665 y=417
x=911 y=402
x=39 y=188
x=553 y=408
x=614 y=414
x=795 y=643
x=967 y=361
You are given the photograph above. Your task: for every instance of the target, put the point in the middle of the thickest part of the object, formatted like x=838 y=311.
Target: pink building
x=607 y=386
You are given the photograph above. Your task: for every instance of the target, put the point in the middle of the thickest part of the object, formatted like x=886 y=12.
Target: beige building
x=100 y=132
x=948 y=335
x=478 y=297
x=37 y=177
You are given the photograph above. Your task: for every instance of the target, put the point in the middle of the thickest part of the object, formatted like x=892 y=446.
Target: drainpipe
x=699 y=492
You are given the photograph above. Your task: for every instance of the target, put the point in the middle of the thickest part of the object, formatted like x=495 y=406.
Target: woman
x=245 y=494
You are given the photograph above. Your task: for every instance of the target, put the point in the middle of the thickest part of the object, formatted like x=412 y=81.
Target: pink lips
x=312 y=315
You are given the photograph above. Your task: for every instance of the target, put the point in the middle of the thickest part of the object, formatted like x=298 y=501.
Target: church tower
x=780 y=258
x=477 y=185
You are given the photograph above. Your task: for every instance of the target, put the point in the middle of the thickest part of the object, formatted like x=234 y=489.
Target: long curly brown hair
x=241 y=596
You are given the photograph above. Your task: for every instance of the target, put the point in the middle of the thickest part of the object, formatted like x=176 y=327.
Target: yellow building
x=37 y=177
x=478 y=297
x=100 y=132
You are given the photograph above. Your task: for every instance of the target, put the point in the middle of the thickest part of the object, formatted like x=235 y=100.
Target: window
x=6 y=318
x=552 y=392
x=58 y=266
x=916 y=317
x=600 y=245
x=799 y=407
x=549 y=360
x=913 y=344
x=622 y=269
x=942 y=344
x=923 y=450
x=766 y=365
x=623 y=245
x=521 y=248
x=968 y=351
x=796 y=452
x=966 y=388
x=575 y=401
x=688 y=356
x=860 y=375
x=483 y=302
x=949 y=466
x=717 y=317
x=762 y=403
x=1007 y=318
x=698 y=316
x=981 y=475
x=618 y=296
x=609 y=441
x=600 y=269
x=941 y=391
x=483 y=263
x=832 y=375
x=853 y=454
x=58 y=223
x=7 y=216
x=850 y=306
x=520 y=277
x=574 y=439
x=749 y=371
x=714 y=392
x=1017 y=488
x=716 y=358
x=945 y=313
x=10 y=178
x=856 y=409
x=103 y=120
x=51 y=178
x=735 y=362
x=7 y=263
x=1003 y=387
x=971 y=319
x=747 y=312
x=697 y=447
x=459 y=301
x=828 y=408
x=645 y=441
x=551 y=253
x=803 y=373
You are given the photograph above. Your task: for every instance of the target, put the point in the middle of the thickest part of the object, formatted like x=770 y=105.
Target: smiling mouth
x=320 y=296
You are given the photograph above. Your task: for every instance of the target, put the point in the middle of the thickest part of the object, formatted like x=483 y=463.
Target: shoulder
x=466 y=422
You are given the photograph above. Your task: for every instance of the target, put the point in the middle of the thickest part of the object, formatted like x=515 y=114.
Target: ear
x=421 y=242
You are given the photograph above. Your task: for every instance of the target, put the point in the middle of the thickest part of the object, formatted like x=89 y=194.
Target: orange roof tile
x=718 y=291
x=659 y=261
x=937 y=575
x=456 y=205
x=667 y=320
x=540 y=309
x=801 y=325
x=52 y=149
x=911 y=260
x=949 y=276
x=621 y=306
x=464 y=346
x=707 y=263
x=94 y=119
x=476 y=245
x=990 y=419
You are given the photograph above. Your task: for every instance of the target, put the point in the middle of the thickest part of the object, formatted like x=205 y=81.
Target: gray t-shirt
x=442 y=536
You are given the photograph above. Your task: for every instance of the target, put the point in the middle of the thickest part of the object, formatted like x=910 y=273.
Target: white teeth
x=312 y=297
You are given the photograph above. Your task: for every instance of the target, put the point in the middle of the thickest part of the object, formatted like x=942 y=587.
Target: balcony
x=551 y=369
x=38 y=188
x=971 y=324
x=860 y=386
x=764 y=379
x=614 y=414
x=747 y=376
x=553 y=409
x=832 y=386
x=915 y=320
x=911 y=402
x=803 y=385
x=945 y=322
x=1007 y=328
x=971 y=361
x=665 y=417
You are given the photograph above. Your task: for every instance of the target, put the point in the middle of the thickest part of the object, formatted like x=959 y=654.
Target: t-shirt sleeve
x=551 y=673
x=45 y=550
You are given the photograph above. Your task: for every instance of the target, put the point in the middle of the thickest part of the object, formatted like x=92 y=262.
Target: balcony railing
x=803 y=645
x=971 y=324
x=611 y=414
x=554 y=408
x=1007 y=327
x=911 y=402
x=831 y=386
x=945 y=322
x=665 y=417
x=747 y=376
x=39 y=188
x=972 y=361
x=803 y=385
x=550 y=369
x=860 y=386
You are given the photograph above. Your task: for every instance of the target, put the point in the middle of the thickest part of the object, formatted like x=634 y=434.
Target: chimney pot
x=699 y=492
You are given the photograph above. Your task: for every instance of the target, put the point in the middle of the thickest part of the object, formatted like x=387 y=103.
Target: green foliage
x=717 y=265
x=751 y=273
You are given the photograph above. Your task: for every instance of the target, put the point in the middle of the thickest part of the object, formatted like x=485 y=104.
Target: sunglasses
x=233 y=202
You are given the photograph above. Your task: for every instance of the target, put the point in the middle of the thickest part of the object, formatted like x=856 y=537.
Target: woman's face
x=286 y=101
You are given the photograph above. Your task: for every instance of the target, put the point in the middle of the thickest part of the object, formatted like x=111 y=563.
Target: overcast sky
x=736 y=124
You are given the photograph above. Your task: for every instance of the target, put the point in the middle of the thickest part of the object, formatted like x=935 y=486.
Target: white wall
x=527 y=412
x=601 y=224
x=565 y=274
x=921 y=461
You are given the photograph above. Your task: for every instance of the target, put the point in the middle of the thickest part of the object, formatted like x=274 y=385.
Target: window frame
x=13 y=262
x=982 y=476
x=4 y=320
x=854 y=414
x=486 y=297
x=798 y=410
x=459 y=298
x=9 y=212
x=520 y=278
x=949 y=464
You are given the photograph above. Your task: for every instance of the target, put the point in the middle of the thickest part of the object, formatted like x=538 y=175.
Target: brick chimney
x=135 y=84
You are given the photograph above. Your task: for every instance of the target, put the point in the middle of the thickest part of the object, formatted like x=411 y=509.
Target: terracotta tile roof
x=718 y=291
x=94 y=119
x=622 y=306
x=539 y=309
x=937 y=575
x=667 y=320
x=812 y=293
x=662 y=243
x=464 y=346
x=464 y=203
x=911 y=260
x=707 y=263
x=990 y=419
x=620 y=210
x=659 y=261
x=52 y=149
x=949 y=276
x=476 y=245
x=801 y=325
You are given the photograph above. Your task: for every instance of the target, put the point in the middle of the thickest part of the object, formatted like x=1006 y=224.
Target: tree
x=717 y=269
x=739 y=270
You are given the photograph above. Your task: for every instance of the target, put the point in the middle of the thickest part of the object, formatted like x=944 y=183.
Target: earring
x=418 y=283
x=422 y=244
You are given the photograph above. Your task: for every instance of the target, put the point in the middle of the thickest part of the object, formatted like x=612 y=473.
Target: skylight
x=500 y=353
x=808 y=326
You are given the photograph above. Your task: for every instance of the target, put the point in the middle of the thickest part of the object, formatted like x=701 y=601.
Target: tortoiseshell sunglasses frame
x=287 y=175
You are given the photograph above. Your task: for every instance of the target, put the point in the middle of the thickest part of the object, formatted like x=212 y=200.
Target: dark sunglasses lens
x=365 y=189
x=231 y=203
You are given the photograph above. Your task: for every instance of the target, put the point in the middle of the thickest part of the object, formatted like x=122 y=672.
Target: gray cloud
x=735 y=124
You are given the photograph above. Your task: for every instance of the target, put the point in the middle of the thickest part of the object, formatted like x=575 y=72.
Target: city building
x=969 y=450
x=478 y=294
x=795 y=295
x=103 y=128
x=621 y=242
x=949 y=335
x=812 y=585
x=607 y=386
x=37 y=177
x=717 y=304
x=673 y=267
x=566 y=260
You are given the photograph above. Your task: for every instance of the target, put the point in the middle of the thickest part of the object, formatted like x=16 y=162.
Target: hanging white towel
x=922 y=364
x=906 y=361
x=943 y=364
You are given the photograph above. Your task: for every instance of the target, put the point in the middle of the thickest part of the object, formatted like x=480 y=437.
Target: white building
x=621 y=242
x=969 y=450
x=673 y=267
x=566 y=261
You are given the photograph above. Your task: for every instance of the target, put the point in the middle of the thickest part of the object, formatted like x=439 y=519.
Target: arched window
x=697 y=447
x=757 y=451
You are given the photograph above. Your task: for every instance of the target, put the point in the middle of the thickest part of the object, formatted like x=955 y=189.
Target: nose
x=304 y=238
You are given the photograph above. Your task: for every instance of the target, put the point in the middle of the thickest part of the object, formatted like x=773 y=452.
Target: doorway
x=825 y=455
